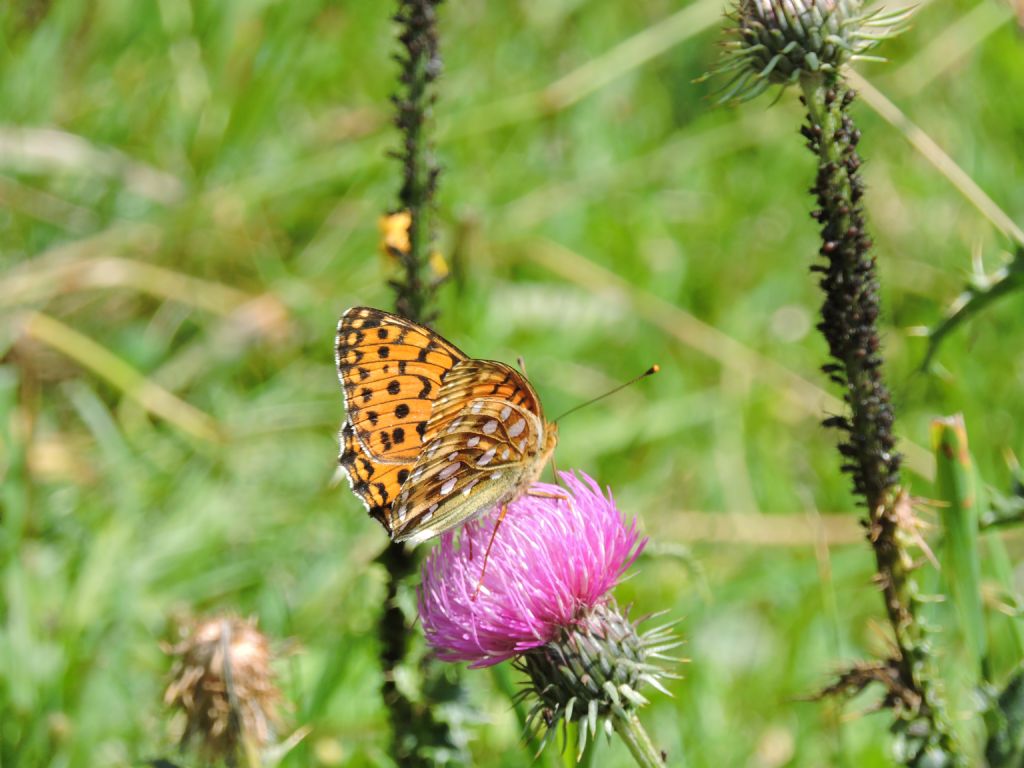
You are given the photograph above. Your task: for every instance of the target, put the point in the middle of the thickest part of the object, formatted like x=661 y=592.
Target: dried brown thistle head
x=224 y=685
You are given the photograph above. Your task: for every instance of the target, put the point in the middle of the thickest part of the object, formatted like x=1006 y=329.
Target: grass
x=193 y=189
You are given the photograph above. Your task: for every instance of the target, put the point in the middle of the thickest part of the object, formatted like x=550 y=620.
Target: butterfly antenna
x=649 y=372
x=522 y=364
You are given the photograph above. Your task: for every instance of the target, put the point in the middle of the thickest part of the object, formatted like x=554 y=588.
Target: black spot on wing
x=394 y=387
x=427 y=387
x=403 y=475
x=424 y=351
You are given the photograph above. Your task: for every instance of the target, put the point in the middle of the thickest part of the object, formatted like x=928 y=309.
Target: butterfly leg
x=547 y=495
x=483 y=570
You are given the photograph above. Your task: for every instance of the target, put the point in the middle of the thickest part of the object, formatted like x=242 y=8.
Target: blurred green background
x=189 y=196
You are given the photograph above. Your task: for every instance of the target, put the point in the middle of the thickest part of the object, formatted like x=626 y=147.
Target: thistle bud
x=775 y=42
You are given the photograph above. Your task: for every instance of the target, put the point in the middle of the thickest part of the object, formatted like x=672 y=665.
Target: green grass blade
x=957 y=491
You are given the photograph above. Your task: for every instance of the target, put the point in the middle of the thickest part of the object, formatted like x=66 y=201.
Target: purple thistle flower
x=552 y=561
x=544 y=602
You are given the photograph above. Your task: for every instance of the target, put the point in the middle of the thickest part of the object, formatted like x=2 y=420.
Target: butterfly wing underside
x=432 y=438
x=391 y=371
x=485 y=440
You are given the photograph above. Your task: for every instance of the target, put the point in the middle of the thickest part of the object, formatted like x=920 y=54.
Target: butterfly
x=432 y=437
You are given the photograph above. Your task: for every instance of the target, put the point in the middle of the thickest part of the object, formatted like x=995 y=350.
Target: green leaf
x=982 y=291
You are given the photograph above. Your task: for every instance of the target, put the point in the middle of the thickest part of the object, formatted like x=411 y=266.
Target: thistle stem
x=416 y=730
x=849 y=324
x=640 y=746
x=421 y=64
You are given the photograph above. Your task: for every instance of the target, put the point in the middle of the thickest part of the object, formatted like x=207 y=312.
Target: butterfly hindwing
x=477 y=461
x=470 y=380
x=391 y=371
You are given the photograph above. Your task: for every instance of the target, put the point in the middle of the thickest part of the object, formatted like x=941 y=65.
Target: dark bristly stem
x=849 y=324
x=417 y=731
x=421 y=64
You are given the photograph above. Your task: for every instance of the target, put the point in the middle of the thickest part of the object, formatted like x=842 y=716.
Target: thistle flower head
x=775 y=42
x=223 y=683
x=552 y=560
x=544 y=601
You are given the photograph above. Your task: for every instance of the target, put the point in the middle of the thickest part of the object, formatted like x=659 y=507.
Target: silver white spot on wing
x=496 y=475
x=516 y=429
x=490 y=427
x=473 y=442
x=448 y=486
x=450 y=470
x=484 y=460
x=506 y=412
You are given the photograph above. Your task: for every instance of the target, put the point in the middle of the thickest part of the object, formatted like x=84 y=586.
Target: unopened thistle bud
x=223 y=683
x=775 y=42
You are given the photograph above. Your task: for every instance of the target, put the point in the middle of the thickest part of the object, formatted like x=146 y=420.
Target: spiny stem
x=849 y=324
x=421 y=64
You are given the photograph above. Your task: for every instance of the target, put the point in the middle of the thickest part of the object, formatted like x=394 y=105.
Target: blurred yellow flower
x=394 y=233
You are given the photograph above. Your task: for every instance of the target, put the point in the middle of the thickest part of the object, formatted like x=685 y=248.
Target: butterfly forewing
x=375 y=483
x=391 y=371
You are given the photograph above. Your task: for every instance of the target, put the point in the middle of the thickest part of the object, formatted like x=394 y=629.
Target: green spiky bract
x=773 y=42
x=592 y=676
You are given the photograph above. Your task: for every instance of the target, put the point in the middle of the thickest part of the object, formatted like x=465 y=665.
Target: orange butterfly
x=433 y=438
